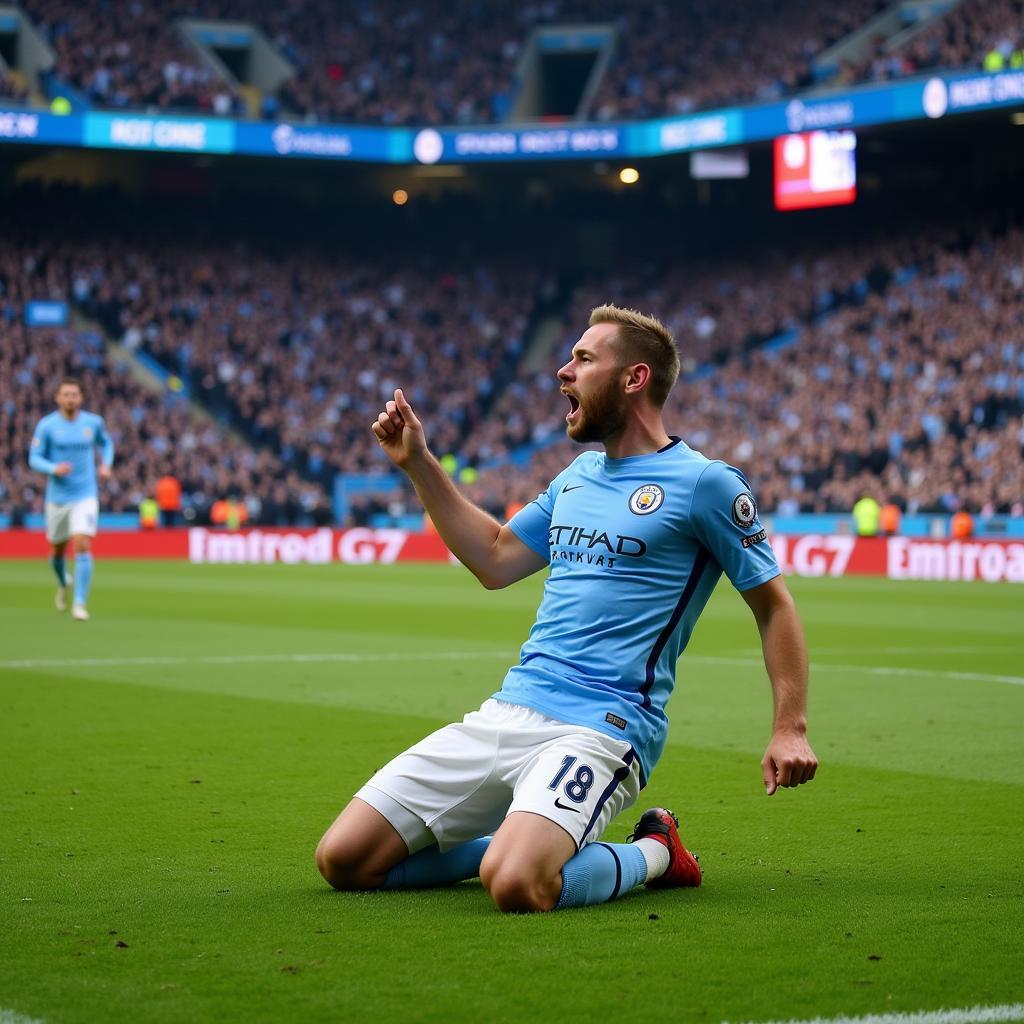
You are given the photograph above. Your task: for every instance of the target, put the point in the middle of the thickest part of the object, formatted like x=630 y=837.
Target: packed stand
x=385 y=62
x=912 y=391
x=674 y=59
x=378 y=61
x=984 y=34
x=301 y=353
x=716 y=309
x=129 y=54
x=392 y=63
x=154 y=433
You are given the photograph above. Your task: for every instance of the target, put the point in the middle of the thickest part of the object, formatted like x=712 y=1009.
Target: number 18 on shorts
x=462 y=780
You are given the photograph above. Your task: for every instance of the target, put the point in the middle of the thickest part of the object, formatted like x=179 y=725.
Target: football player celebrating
x=635 y=537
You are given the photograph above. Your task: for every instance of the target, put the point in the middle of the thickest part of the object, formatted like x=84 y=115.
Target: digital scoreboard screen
x=815 y=169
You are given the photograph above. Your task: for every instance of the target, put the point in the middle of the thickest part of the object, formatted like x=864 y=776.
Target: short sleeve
x=532 y=523
x=723 y=517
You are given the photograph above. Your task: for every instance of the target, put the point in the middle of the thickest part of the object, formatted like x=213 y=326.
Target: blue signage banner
x=33 y=126
x=918 y=99
x=324 y=142
x=169 y=133
x=46 y=313
x=496 y=144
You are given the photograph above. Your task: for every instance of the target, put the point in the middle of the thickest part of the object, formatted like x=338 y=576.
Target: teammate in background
x=636 y=539
x=64 y=447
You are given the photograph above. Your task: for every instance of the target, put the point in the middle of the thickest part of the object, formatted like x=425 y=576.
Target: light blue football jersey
x=636 y=546
x=56 y=440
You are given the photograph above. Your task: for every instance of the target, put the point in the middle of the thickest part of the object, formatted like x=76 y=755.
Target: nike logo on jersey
x=571 y=487
x=565 y=807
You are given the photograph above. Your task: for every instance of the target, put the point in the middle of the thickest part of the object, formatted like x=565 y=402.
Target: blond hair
x=643 y=339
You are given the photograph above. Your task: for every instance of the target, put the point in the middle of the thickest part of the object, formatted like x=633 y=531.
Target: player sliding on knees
x=635 y=538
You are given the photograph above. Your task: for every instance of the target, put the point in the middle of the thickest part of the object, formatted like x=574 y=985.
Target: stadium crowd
x=894 y=367
x=130 y=54
x=433 y=62
x=673 y=59
x=155 y=432
x=298 y=353
x=986 y=34
x=910 y=389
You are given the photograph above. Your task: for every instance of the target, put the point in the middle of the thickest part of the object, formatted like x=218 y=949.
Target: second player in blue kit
x=635 y=539
x=64 y=447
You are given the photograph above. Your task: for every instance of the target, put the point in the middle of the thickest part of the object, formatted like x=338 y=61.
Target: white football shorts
x=75 y=519
x=461 y=781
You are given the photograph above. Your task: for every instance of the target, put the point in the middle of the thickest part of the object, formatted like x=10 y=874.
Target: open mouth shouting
x=574 y=407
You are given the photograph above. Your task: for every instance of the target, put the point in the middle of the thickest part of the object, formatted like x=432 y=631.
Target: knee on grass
x=518 y=891
x=345 y=868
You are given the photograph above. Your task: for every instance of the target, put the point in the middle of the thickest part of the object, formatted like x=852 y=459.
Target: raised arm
x=492 y=552
x=789 y=759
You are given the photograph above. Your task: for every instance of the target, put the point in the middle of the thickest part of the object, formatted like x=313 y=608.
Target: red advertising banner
x=898 y=558
x=114 y=544
x=358 y=546
x=901 y=558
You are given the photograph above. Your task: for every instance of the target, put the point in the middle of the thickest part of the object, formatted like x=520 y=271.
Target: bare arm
x=492 y=552
x=789 y=759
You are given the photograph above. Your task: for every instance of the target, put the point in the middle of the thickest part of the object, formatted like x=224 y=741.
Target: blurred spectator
x=168 y=499
x=149 y=514
x=961 y=525
x=867 y=514
x=889 y=519
x=10 y=90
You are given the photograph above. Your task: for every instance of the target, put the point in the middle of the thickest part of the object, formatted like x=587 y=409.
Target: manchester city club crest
x=744 y=511
x=647 y=499
x=87 y=433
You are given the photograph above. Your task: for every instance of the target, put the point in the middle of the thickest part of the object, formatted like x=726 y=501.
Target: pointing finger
x=405 y=408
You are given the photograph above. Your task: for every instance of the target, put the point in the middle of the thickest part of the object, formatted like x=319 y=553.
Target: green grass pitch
x=167 y=768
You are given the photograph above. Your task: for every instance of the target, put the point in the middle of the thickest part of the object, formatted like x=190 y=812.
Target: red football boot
x=662 y=825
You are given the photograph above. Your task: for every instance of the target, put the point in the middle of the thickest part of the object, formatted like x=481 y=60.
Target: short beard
x=602 y=416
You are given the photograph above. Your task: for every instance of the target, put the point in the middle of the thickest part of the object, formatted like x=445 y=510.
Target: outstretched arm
x=789 y=759
x=492 y=552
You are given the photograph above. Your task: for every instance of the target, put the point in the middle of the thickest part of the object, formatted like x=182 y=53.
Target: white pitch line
x=249 y=659
x=869 y=670
x=257 y=659
x=973 y=649
x=965 y=1015
x=13 y=1017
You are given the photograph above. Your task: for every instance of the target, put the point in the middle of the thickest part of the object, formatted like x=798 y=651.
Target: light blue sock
x=57 y=561
x=83 y=576
x=601 y=872
x=431 y=867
